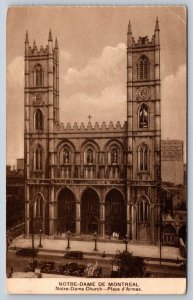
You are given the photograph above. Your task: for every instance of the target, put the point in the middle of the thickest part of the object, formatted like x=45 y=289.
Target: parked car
x=26 y=252
x=74 y=255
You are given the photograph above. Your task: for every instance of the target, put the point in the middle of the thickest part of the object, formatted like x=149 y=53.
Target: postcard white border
x=3 y=7
x=115 y=286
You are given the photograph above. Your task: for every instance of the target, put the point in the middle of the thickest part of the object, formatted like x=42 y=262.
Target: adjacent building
x=15 y=203
x=172 y=161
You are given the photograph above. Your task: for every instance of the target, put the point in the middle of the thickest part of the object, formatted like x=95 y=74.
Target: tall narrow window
x=143 y=68
x=38 y=120
x=39 y=206
x=38 y=158
x=143 y=116
x=38 y=72
x=143 y=158
x=143 y=210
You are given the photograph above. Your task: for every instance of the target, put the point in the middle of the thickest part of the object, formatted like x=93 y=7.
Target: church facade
x=93 y=177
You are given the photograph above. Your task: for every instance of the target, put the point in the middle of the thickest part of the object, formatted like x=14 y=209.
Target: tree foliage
x=129 y=266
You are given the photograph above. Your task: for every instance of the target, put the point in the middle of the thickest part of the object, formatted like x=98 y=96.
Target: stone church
x=93 y=178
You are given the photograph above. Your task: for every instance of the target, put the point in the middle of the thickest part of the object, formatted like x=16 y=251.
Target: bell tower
x=41 y=104
x=143 y=136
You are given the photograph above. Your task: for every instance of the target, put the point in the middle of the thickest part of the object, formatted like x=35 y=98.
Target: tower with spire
x=41 y=111
x=143 y=135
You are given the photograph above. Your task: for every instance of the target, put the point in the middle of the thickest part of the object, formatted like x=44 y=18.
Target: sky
x=92 y=62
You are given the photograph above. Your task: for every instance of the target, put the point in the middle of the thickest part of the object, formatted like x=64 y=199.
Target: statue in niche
x=66 y=156
x=143 y=117
x=89 y=156
x=114 y=156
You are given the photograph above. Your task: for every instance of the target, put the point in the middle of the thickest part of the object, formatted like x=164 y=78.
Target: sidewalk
x=58 y=247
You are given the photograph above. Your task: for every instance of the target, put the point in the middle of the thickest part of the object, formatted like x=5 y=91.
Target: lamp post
x=126 y=241
x=68 y=236
x=40 y=243
x=95 y=241
x=32 y=237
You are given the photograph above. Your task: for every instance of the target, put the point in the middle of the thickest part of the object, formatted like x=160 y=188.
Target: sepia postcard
x=96 y=150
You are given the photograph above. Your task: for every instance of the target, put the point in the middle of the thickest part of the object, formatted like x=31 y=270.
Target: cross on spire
x=89 y=117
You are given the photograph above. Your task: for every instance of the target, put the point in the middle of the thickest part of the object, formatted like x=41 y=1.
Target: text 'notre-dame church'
x=93 y=178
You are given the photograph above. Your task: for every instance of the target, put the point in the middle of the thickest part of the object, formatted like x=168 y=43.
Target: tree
x=129 y=266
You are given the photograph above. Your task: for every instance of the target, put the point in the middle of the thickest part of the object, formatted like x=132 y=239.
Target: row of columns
x=131 y=218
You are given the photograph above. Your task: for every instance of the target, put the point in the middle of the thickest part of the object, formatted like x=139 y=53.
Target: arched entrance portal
x=66 y=211
x=115 y=213
x=89 y=212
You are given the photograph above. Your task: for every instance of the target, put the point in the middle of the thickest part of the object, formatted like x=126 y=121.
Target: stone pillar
x=152 y=223
x=78 y=218
x=102 y=219
x=27 y=218
x=129 y=219
x=133 y=222
x=27 y=210
x=51 y=212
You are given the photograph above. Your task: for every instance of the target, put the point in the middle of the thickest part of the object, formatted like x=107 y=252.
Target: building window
x=38 y=72
x=143 y=210
x=143 y=68
x=38 y=211
x=38 y=158
x=143 y=116
x=38 y=120
x=143 y=158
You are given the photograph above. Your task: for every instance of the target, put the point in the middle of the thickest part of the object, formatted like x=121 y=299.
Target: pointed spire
x=26 y=37
x=157 y=25
x=129 y=27
x=34 y=44
x=50 y=36
x=56 y=43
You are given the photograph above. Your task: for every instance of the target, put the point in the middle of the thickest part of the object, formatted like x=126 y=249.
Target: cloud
x=15 y=109
x=101 y=71
x=15 y=73
x=108 y=105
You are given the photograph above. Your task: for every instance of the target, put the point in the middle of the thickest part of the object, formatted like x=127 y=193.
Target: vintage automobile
x=74 y=255
x=69 y=269
x=27 y=252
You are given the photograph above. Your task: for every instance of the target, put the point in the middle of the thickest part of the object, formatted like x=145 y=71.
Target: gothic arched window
x=143 y=116
x=143 y=158
x=38 y=75
x=38 y=119
x=38 y=164
x=143 y=210
x=38 y=206
x=143 y=68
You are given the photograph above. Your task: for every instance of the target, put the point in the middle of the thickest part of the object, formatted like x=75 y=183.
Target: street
x=152 y=268
x=20 y=262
